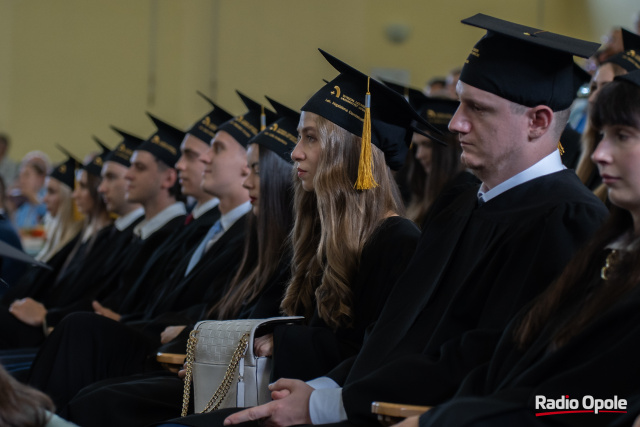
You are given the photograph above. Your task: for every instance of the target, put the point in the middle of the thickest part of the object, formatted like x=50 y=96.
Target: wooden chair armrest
x=392 y=413
x=171 y=361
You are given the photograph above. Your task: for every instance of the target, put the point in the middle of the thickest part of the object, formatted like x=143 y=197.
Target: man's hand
x=263 y=346
x=106 y=312
x=28 y=311
x=289 y=407
x=170 y=332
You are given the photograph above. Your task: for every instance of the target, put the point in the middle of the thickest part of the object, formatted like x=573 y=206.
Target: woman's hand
x=170 y=332
x=263 y=346
x=28 y=311
x=106 y=312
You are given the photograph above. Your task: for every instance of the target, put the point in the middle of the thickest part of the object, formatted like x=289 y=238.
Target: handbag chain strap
x=191 y=347
x=224 y=387
x=217 y=398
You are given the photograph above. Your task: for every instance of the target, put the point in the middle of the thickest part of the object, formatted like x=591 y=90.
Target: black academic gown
x=601 y=362
x=307 y=351
x=66 y=363
x=474 y=268
x=156 y=396
x=36 y=284
x=165 y=262
x=130 y=291
x=100 y=270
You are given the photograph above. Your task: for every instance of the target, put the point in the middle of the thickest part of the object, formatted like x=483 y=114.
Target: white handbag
x=221 y=363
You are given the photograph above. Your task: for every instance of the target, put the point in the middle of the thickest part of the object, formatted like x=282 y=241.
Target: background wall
x=70 y=68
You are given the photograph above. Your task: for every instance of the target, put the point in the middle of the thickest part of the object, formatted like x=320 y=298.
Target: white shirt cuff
x=325 y=402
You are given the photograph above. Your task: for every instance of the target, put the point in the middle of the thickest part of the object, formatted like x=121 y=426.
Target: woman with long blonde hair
x=349 y=241
x=64 y=221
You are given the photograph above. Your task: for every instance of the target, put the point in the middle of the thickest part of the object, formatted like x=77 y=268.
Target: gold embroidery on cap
x=170 y=148
x=63 y=168
x=336 y=92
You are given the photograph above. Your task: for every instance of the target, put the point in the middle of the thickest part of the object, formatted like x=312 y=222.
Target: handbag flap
x=218 y=339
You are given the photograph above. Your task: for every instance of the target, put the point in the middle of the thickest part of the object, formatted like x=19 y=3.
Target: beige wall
x=70 y=68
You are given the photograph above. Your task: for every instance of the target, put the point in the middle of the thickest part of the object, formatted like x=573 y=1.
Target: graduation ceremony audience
x=485 y=245
x=254 y=292
x=437 y=244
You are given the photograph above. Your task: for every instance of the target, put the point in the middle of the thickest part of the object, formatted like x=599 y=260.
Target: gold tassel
x=560 y=148
x=365 y=179
x=77 y=215
x=263 y=119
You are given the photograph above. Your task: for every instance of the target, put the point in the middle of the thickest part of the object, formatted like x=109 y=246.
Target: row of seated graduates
x=586 y=222
x=59 y=381
x=131 y=263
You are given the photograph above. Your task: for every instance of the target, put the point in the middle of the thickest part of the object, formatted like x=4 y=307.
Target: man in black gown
x=484 y=252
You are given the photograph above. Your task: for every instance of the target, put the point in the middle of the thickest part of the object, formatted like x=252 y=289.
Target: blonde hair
x=62 y=228
x=332 y=225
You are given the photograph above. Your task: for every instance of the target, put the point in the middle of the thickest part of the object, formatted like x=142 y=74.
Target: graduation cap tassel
x=560 y=148
x=365 y=179
x=263 y=119
x=77 y=215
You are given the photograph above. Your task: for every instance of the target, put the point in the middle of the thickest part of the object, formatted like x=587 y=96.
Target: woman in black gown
x=349 y=241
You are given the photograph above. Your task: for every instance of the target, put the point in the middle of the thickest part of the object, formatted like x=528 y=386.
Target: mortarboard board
x=632 y=77
x=281 y=136
x=246 y=126
x=65 y=172
x=94 y=167
x=164 y=143
x=414 y=96
x=523 y=64
x=370 y=110
x=437 y=111
x=205 y=128
x=123 y=151
x=629 y=59
x=8 y=251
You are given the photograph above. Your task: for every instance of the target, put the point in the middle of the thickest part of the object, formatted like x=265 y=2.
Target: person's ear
x=540 y=119
x=169 y=178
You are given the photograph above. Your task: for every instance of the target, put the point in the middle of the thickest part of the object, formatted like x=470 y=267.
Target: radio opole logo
x=586 y=405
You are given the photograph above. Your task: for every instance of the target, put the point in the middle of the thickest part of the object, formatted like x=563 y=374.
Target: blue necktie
x=200 y=250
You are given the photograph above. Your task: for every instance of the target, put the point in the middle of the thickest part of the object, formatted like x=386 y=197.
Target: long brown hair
x=445 y=164
x=21 y=405
x=266 y=242
x=332 y=225
x=617 y=103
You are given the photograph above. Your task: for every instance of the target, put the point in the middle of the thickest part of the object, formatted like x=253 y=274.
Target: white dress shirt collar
x=548 y=165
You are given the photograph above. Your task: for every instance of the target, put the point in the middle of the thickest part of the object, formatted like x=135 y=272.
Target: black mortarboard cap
x=94 y=167
x=164 y=143
x=629 y=59
x=524 y=64
x=632 y=77
x=123 y=151
x=370 y=110
x=246 y=126
x=414 y=96
x=205 y=128
x=281 y=135
x=65 y=172
x=437 y=111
